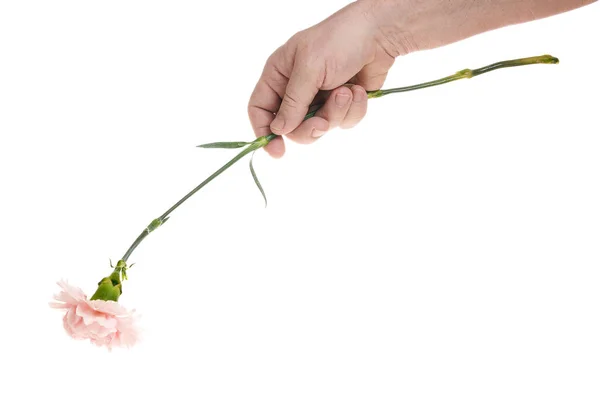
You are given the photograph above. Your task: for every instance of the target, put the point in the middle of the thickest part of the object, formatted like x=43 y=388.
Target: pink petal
x=104 y=323
x=86 y=312
x=74 y=325
x=98 y=331
x=53 y=304
x=70 y=294
x=109 y=307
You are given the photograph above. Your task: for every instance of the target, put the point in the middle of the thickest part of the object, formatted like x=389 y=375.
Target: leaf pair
x=237 y=145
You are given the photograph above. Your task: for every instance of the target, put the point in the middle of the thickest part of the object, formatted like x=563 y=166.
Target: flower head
x=103 y=322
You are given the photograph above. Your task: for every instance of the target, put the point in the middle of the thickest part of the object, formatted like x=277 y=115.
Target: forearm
x=410 y=25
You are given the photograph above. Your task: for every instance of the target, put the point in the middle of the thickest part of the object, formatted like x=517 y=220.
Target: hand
x=335 y=61
x=332 y=63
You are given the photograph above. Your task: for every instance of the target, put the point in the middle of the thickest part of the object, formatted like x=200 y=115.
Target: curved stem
x=218 y=172
x=257 y=144
x=135 y=244
x=264 y=140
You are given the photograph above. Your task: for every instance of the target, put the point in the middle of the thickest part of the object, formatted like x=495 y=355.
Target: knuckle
x=314 y=64
x=253 y=112
x=330 y=68
x=290 y=101
x=300 y=41
x=276 y=77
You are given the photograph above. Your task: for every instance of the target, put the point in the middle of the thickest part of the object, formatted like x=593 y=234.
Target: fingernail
x=277 y=124
x=341 y=99
x=317 y=133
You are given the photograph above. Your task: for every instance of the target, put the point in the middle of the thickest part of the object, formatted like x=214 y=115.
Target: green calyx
x=109 y=288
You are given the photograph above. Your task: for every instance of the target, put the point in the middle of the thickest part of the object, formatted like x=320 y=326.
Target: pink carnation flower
x=104 y=323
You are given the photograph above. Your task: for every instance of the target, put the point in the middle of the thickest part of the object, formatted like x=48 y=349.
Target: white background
x=447 y=247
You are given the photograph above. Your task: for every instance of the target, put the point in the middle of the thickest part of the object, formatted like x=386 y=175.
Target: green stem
x=257 y=144
x=469 y=73
x=264 y=140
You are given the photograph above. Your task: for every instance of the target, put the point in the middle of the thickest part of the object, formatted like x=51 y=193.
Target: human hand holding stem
x=110 y=325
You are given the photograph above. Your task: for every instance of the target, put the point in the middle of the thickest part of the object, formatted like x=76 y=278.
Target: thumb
x=372 y=76
x=300 y=91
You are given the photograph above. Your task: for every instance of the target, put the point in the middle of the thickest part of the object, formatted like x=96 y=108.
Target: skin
x=336 y=61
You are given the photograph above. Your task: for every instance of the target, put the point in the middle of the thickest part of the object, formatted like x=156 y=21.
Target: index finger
x=265 y=102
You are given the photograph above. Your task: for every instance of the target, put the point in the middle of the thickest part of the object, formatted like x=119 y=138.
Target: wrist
x=405 y=26
x=393 y=22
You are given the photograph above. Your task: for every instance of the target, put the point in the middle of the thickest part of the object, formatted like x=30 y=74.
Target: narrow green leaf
x=223 y=145
x=256 y=180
